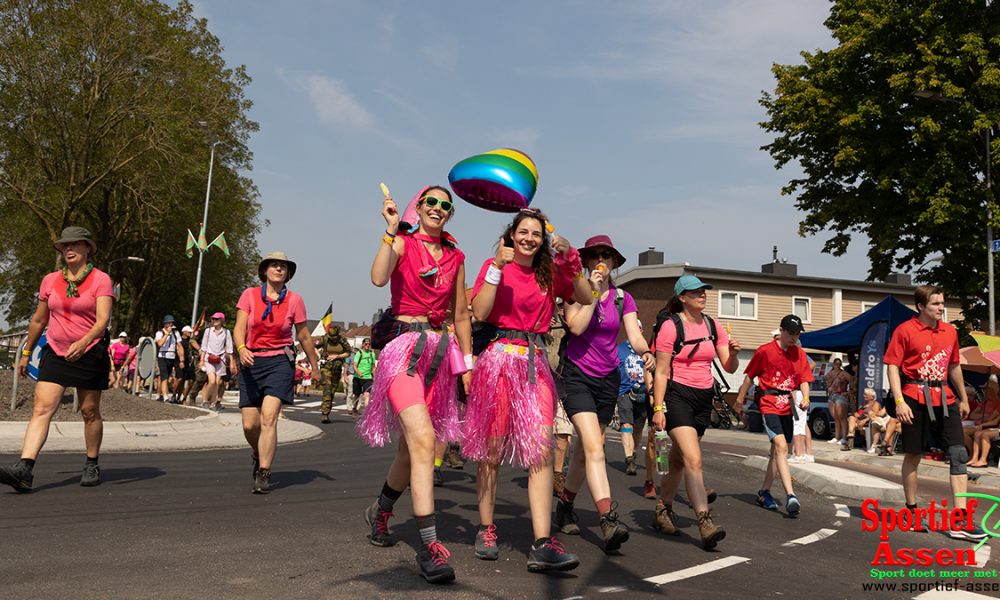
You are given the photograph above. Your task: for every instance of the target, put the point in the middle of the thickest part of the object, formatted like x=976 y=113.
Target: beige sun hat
x=276 y=255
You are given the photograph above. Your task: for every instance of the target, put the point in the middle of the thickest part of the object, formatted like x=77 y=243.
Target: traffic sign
x=36 y=357
x=996 y=245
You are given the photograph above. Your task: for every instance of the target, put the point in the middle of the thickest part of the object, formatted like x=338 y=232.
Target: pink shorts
x=408 y=390
x=218 y=368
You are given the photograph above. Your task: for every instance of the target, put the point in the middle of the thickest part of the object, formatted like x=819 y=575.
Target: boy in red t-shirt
x=781 y=368
x=922 y=356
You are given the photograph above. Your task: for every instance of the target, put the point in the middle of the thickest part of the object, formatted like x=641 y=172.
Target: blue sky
x=641 y=117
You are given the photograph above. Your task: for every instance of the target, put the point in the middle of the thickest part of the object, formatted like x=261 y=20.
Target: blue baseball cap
x=689 y=283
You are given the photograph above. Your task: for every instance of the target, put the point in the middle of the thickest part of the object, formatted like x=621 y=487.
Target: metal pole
x=989 y=233
x=17 y=375
x=204 y=226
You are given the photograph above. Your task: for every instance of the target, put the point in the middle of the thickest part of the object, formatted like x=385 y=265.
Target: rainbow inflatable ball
x=501 y=180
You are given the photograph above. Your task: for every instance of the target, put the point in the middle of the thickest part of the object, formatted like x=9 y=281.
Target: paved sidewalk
x=209 y=432
x=836 y=471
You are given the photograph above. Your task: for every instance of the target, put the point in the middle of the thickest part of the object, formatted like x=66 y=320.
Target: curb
x=836 y=481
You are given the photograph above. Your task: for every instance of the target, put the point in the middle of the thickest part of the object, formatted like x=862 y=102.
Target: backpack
x=679 y=342
x=619 y=306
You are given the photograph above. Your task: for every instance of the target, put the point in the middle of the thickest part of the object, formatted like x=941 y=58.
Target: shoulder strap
x=620 y=302
x=679 y=326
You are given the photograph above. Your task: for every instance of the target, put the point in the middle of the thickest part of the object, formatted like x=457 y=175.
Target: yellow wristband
x=240 y=347
x=900 y=401
x=387 y=240
x=579 y=275
x=658 y=408
x=25 y=352
x=595 y=293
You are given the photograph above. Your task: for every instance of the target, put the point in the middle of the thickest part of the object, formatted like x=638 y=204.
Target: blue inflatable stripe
x=464 y=171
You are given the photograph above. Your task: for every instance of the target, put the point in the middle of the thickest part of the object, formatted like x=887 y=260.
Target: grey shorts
x=634 y=409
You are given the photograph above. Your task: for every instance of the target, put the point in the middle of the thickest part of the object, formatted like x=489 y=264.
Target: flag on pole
x=327 y=318
x=189 y=248
x=201 y=239
x=201 y=321
x=220 y=243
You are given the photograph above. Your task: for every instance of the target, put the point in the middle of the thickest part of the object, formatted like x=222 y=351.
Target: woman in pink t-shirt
x=118 y=352
x=512 y=398
x=75 y=304
x=684 y=387
x=414 y=387
x=266 y=317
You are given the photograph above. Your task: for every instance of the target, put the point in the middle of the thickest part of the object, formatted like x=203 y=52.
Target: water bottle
x=662 y=452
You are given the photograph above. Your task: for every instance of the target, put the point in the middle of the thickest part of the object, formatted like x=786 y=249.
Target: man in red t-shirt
x=781 y=368
x=921 y=357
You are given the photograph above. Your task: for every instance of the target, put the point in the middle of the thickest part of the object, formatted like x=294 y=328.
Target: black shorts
x=168 y=366
x=269 y=376
x=585 y=393
x=90 y=372
x=634 y=409
x=360 y=386
x=947 y=431
x=775 y=425
x=688 y=406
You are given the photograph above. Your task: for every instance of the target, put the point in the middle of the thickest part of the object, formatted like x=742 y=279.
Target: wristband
x=25 y=352
x=240 y=347
x=595 y=293
x=468 y=362
x=387 y=239
x=392 y=235
x=900 y=401
x=579 y=275
x=658 y=408
x=493 y=275
x=649 y=352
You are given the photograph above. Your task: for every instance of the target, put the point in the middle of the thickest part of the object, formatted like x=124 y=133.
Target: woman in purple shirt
x=590 y=382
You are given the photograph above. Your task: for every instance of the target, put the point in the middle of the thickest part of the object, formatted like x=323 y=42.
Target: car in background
x=820 y=422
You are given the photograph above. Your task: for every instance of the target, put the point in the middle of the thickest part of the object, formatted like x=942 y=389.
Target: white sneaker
x=809 y=458
x=833 y=441
x=871 y=450
x=796 y=459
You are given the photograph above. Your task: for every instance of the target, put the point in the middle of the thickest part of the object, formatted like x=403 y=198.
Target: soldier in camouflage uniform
x=337 y=348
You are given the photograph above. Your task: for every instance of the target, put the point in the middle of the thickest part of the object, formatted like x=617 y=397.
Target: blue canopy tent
x=866 y=334
x=847 y=336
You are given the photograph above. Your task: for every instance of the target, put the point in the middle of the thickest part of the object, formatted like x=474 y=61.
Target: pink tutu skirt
x=379 y=421
x=506 y=419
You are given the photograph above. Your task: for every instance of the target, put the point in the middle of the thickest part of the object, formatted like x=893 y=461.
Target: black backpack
x=679 y=342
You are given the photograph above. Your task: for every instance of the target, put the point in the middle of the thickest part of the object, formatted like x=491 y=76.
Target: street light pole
x=204 y=226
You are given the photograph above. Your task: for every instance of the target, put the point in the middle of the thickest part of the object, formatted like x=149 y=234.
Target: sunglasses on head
x=431 y=201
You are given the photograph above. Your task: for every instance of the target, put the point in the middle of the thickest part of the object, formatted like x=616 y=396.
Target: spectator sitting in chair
x=884 y=427
x=985 y=431
x=860 y=419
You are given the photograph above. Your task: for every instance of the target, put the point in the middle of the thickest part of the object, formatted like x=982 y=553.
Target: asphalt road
x=185 y=525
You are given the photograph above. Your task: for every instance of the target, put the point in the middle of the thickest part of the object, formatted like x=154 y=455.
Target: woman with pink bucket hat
x=216 y=356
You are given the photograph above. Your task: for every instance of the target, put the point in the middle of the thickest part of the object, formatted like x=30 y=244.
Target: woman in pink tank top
x=414 y=390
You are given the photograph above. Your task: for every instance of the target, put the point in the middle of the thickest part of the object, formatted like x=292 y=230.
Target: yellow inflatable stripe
x=519 y=157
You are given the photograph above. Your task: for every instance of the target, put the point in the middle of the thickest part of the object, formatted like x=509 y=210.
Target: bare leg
x=93 y=424
x=562 y=446
x=486 y=490
x=910 y=464
x=418 y=430
x=540 y=497
x=587 y=459
x=47 y=397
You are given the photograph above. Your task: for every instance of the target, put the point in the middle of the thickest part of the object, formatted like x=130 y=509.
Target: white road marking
x=952 y=595
x=309 y=404
x=842 y=510
x=822 y=534
x=715 y=565
x=612 y=589
x=731 y=454
x=982 y=556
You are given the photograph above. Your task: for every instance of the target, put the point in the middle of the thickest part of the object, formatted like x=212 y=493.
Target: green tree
x=876 y=160
x=107 y=110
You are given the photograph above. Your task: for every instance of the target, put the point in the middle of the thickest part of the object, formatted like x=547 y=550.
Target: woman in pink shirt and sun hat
x=414 y=390
x=216 y=356
x=512 y=400
x=75 y=304
x=266 y=319
x=591 y=380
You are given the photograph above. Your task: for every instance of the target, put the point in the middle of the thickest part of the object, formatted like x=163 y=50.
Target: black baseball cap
x=792 y=324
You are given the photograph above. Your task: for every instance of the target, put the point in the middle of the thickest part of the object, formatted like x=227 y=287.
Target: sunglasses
x=605 y=254
x=431 y=201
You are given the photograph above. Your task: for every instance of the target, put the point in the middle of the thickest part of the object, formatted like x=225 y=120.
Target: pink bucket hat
x=219 y=315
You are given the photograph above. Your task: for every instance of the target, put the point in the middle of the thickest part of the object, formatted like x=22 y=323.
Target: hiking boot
x=551 y=556
x=565 y=519
x=710 y=497
x=256 y=467
x=615 y=534
x=486 y=543
x=664 y=519
x=325 y=419
x=649 y=490
x=433 y=562
x=18 y=476
x=261 y=483
x=438 y=481
x=91 y=475
x=630 y=465
x=454 y=459
x=378 y=520
x=765 y=500
x=792 y=506
x=711 y=534
x=558 y=484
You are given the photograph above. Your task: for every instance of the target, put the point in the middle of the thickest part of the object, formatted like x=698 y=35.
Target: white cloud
x=334 y=103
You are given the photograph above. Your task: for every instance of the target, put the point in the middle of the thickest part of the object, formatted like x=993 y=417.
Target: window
x=738 y=305
x=802 y=308
x=866 y=306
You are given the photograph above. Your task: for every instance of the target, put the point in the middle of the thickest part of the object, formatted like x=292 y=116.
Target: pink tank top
x=421 y=286
x=119 y=352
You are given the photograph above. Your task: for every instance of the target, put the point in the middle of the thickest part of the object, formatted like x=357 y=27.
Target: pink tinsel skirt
x=508 y=419
x=379 y=422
